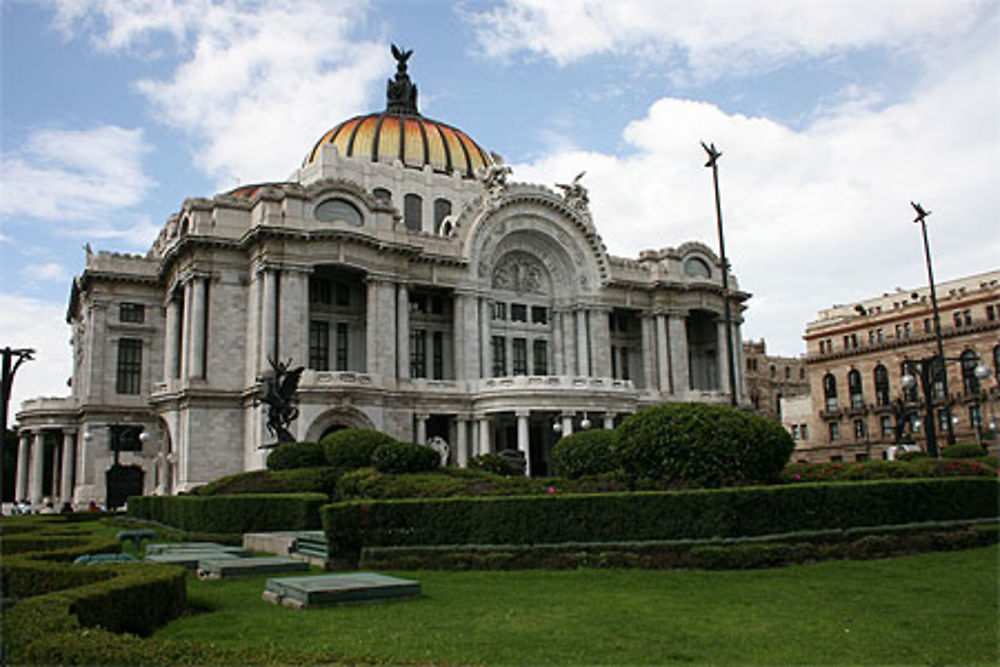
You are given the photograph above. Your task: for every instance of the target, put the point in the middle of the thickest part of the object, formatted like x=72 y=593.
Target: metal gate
x=122 y=482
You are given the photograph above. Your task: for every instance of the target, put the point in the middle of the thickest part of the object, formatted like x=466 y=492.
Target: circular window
x=339 y=210
x=697 y=268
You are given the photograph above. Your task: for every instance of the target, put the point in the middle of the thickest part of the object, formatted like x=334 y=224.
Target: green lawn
x=932 y=608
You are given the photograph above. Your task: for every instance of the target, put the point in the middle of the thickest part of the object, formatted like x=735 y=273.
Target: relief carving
x=520 y=274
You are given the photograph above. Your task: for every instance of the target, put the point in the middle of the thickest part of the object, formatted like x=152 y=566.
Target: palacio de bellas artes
x=422 y=289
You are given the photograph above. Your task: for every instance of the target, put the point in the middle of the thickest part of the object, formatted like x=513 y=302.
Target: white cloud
x=48 y=272
x=39 y=325
x=714 y=37
x=812 y=216
x=74 y=175
x=257 y=82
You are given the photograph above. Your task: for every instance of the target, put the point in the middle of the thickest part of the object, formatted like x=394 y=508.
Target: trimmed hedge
x=702 y=445
x=352 y=448
x=713 y=553
x=300 y=480
x=231 y=514
x=405 y=457
x=963 y=452
x=921 y=467
x=351 y=526
x=584 y=453
x=493 y=463
x=291 y=455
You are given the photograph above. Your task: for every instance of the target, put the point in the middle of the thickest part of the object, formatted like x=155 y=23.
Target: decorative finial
x=400 y=92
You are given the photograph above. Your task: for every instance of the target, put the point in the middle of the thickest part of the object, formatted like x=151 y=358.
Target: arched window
x=442 y=209
x=881 y=385
x=339 y=210
x=382 y=195
x=970 y=382
x=996 y=364
x=696 y=267
x=413 y=212
x=830 y=392
x=854 y=388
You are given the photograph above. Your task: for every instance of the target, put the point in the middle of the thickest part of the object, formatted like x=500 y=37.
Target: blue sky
x=831 y=115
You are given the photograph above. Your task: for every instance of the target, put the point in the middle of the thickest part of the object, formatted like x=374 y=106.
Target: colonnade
x=31 y=467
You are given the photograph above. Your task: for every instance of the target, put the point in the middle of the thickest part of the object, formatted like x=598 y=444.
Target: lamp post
x=11 y=361
x=924 y=369
x=713 y=158
x=921 y=218
x=982 y=372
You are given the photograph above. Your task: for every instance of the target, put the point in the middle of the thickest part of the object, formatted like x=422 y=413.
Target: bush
x=963 y=452
x=612 y=517
x=911 y=456
x=871 y=470
x=231 y=514
x=702 y=445
x=302 y=480
x=404 y=457
x=583 y=454
x=353 y=448
x=493 y=463
x=290 y=455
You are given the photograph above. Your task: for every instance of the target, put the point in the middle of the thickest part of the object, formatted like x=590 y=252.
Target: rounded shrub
x=963 y=452
x=403 y=457
x=583 y=454
x=493 y=463
x=695 y=444
x=290 y=455
x=911 y=456
x=352 y=448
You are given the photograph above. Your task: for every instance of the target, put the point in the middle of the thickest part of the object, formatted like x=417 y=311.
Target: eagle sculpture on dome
x=400 y=92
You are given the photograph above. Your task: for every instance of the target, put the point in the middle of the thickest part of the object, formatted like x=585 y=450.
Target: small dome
x=401 y=133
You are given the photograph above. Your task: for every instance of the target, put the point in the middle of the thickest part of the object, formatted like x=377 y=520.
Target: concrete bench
x=97 y=559
x=136 y=536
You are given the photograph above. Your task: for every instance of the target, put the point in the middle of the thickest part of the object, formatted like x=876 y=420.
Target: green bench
x=136 y=536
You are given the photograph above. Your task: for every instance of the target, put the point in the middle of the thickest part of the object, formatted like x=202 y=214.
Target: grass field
x=935 y=608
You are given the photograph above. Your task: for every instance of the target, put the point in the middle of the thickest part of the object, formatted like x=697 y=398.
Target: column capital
x=522 y=413
x=380 y=279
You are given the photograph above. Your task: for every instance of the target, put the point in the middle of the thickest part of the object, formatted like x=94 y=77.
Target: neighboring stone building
x=770 y=378
x=855 y=356
x=426 y=295
x=796 y=415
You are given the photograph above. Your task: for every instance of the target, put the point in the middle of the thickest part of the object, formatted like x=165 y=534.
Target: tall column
x=293 y=325
x=648 y=352
x=722 y=364
x=68 y=457
x=485 y=349
x=676 y=326
x=186 y=316
x=467 y=320
x=37 y=468
x=462 y=442
x=23 y=459
x=739 y=363
x=567 y=425
x=484 y=435
x=600 y=342
x=254 y=309
x=664 y=383
x=523 y=443
x=402 y=331
x=196 y=363
x=171 y=342
x=609 y=421
x=269 y=318
x=569 y=340
x=380 y=327
x=582 y=356
x=557 y=343
x=421 y=428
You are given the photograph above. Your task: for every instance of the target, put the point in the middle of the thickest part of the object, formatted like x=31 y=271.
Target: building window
x=437 y=346
x=909 y=393
x=343 y=294
x=541 y=356
x=124 y=438
x=539 y=315
x=957 y=315
x=938 y=374
x=854 y=388
x=499 y=310
x=519 y=356
x=991 y=314
x=970 y=383
x=881 y=385
x=976 y=417
x=341 y=346
x=518 y=312
x=413 y=212
x=626 y=372
x=886 y=424
x=134 y=313
x=129 y=376
x=319 y=346
x=382 y=195
x=320 y=291
x=499 y=344
x=928 y=328
x=834 y=431
x=859 y=429
x=418 y=353
x=967 y=317
x=442 y=209
x=830 y=392
x=339 y=210
x=795 y=431
x=804 y=430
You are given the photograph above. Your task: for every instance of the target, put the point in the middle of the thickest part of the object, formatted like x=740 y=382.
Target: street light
x=924 y=369
x=982 y=372
x=921 y=218
x=713 y=158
